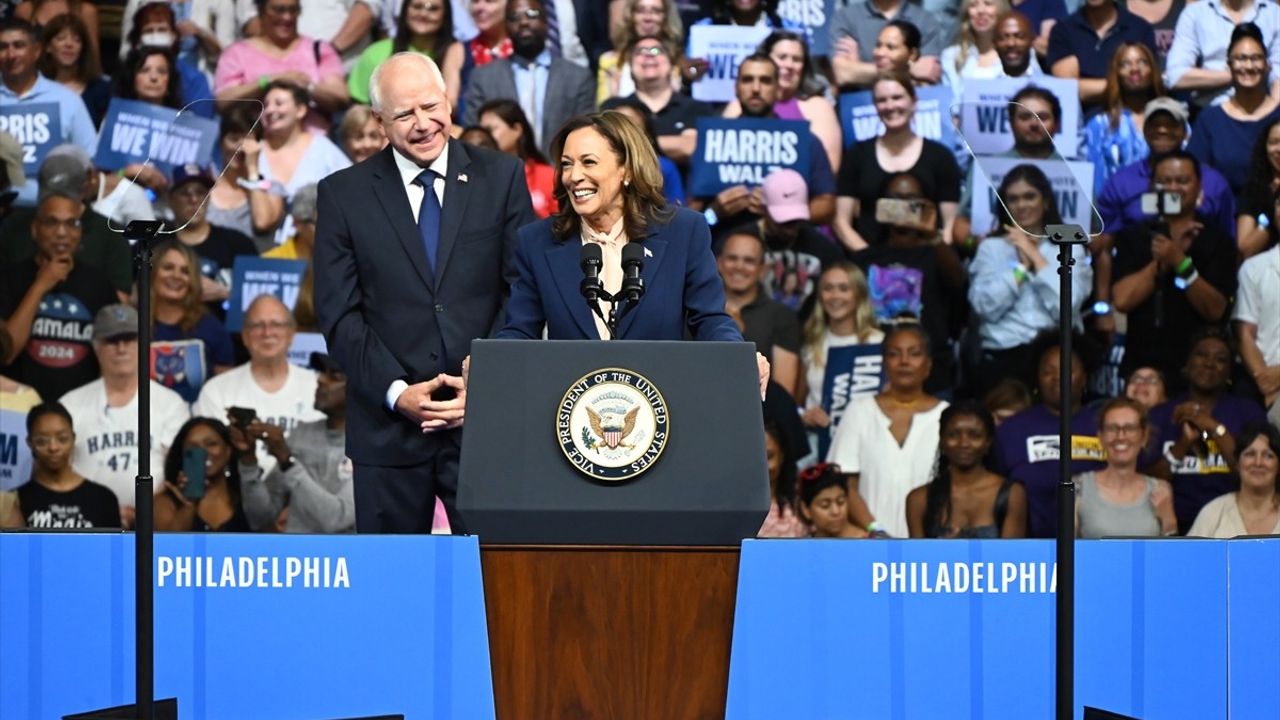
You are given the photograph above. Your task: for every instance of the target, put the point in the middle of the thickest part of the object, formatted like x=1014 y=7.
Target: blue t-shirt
x=1037 y=11
x=183 y=362
x=1225 y=143
x=1027 y=451
x=1197 y=480
x=1074 y=36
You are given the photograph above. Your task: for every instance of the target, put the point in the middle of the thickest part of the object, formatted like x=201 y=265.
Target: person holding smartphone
x=201 y=489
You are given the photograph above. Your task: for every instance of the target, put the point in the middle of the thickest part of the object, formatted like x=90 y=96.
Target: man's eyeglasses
x=526 y=14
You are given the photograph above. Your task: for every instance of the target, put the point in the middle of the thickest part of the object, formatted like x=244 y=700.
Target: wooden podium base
x=609 y=633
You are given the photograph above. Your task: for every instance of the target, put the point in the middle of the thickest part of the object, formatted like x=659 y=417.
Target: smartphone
x=904 y=213
x=1161 y=203
x=193 y=460
x=241 y=417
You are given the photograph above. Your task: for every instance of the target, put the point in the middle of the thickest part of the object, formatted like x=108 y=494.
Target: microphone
x=632 y=266
x=591 y=261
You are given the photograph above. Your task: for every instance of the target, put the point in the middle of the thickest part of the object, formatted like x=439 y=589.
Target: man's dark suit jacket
x=571 y=91
x=384 y=314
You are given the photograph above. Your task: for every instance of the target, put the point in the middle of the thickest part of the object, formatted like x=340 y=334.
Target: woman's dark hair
x=905 y=323
x=173 y=458
x=1035 y=177
x=48 y=408
x=937 y=506
x=817 y=478
x=1212 y=332
x=643 y=201
x=722 y=13
x=142 y=16
x=238 y=119
x=510 y=112
x=132 y=65
x=1246 y=31
x=786 y=491
x=1088 y=351
x=1252 y=432
x=485 y=140
x=1007 y=393
x=632 y=102
x=910 y=33
x=1258 y=192
x=1045 y=96
x=87 y=68
x=439 y=44
x=809 y=83
x=300 y=94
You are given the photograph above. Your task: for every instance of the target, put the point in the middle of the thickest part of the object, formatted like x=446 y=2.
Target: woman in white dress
x=888 y=442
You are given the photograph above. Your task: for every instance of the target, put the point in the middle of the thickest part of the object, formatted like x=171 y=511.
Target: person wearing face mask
x=196 y=31
x=154 y=27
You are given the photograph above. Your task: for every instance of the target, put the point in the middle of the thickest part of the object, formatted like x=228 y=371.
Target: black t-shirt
x=862 y=177
x=906 y=280
x=59 y=356
x=681 y=113
x=88 y=505
x=218 y=257
x=792 y=269
x=769 y=324
x=1160 y=329
x=100 y=248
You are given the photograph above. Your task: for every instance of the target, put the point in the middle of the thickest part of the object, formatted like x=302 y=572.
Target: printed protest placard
x=1072 y=186
x=853 y=371
x=859 y=121
x=743 y=151
x=38 y=129
x=254 y=276
x=138 y=132
x=812 y=16
x=723 y=47
x=984 y=113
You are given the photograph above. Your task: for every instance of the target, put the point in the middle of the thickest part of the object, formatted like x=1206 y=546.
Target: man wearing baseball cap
x=217 y=247
x=106 y=411
x=796 y=253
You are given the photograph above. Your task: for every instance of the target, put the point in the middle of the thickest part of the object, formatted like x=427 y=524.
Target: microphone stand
x=1064 y=236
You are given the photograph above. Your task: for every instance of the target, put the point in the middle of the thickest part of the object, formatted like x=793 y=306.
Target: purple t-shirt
x=1027 y=451
x=1198 y=480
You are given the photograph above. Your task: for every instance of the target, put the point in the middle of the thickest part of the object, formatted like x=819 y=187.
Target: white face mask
x=157 y=39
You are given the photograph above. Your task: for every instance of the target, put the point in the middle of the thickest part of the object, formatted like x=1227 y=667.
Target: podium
x=610 y=484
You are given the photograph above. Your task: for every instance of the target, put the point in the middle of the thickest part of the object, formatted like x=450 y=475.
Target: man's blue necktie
x=429 y=216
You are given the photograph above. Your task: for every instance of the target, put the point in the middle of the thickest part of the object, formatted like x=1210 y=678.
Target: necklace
x=900 y=403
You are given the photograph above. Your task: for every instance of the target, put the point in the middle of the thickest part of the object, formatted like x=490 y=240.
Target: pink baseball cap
x=786 y=196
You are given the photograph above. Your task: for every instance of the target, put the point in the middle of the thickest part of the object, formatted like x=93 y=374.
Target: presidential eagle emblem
x=612 y=424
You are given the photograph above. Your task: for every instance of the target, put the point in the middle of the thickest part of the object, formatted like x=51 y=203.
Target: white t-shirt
x=863 y=444
x=815 y=373
x=127 y=202
x=106 y=437
x=1258 y=301
x=291 y=404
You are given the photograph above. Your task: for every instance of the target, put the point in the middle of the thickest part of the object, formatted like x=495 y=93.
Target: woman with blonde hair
x=361 y=134
x=974 y=55
x=842 y=316
x=640 y=19
x=609 y=192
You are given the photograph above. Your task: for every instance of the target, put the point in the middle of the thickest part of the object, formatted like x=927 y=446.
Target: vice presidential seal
x=612 y=424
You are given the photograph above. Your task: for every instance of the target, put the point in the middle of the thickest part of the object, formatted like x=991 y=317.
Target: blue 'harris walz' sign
x=743 y=151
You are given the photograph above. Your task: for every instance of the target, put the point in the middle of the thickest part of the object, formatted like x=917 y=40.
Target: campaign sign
x=743 y=151
x=180 y=366
x=248 y=625
x=1072 y=184
x=859 y=121
x=38 y=129
x=984 y=113
x=137 y=132
x=305 y=343
x=812 y=16
x=723 y=47
x=964 y=630
x=853 y=371
x=254 y=276
x=15 y=455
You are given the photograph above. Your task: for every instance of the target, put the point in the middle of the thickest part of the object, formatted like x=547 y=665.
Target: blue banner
x=743 y=151
x=254 y=276
x=929 y=629
x=1254 y=643
x=248 y=626
x=137 y=132
x=812 y=17
x=859 y=121
x=38 y=129
x=15 y=454
x=852 y=371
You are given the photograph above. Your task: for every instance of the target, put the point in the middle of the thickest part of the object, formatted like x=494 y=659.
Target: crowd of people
x=913 y=355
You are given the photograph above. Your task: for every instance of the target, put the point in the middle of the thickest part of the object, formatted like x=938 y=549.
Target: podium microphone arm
x=591 y=261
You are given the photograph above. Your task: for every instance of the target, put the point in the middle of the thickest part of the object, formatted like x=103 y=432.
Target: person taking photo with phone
x=1173 y=275
x=201 y=488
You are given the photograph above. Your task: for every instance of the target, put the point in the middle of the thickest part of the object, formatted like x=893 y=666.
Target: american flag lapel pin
x=648 y=252
x=462 y=177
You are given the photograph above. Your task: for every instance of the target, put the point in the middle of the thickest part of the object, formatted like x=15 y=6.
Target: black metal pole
x=1065 y=236
x=143 y=234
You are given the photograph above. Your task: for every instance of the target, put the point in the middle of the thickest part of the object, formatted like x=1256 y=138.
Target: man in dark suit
x=549 y=89
x=412 y=256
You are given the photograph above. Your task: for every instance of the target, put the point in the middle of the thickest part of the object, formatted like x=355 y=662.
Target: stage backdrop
x=248 y=626
x=963 y=630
